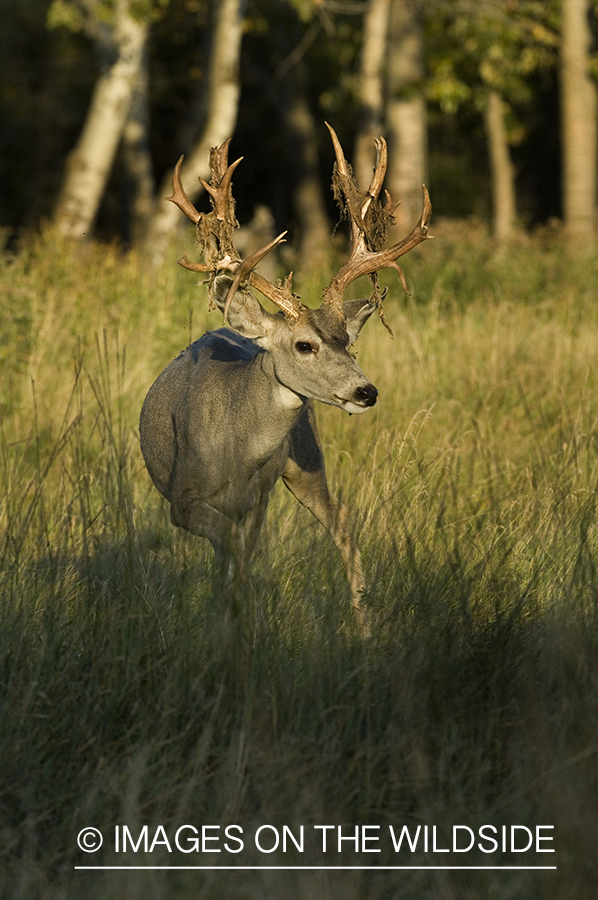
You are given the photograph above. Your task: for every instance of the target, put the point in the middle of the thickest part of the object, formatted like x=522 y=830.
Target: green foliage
x=494 y=45
x=62 y=14
x=305 y=9
x=130 y=696
x=77 y=15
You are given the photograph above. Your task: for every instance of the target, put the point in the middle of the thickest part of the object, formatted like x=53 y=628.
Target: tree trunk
x=310 y=208
x=578 y=110
x=222 y=107
x=373 y=60
x=139 y=179
x=406 y=115
x=89 y=164
x=502 y=171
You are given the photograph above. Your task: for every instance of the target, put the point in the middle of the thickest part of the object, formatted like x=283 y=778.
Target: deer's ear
x=357 y=312
x=245 y=314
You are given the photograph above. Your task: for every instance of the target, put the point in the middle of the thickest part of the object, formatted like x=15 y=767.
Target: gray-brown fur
x=233 y=413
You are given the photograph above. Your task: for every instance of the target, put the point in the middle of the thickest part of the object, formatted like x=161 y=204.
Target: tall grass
x=129 y=697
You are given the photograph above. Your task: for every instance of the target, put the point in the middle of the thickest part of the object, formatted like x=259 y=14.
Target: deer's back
x=198 y=430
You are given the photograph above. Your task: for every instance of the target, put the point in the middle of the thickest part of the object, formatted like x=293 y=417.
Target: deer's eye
x=306 y=347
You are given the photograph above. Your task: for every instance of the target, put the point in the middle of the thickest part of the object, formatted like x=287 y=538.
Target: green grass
x=129 y=697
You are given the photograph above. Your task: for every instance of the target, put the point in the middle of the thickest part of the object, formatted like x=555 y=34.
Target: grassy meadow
x=128 y=697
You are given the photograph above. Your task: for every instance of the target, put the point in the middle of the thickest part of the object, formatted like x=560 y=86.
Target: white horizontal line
x=311 y=868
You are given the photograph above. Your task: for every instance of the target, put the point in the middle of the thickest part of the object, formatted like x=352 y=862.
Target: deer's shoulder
x=223 y=345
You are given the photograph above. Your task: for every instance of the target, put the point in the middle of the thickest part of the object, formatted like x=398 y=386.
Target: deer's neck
x=283 y=403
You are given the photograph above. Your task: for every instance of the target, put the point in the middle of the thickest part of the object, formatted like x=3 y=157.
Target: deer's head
x=310 y=348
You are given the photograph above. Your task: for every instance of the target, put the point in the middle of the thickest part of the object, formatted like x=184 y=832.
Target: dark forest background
x=50 y=65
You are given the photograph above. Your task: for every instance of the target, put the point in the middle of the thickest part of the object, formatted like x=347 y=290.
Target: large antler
x=215 y=234
x=369 y=222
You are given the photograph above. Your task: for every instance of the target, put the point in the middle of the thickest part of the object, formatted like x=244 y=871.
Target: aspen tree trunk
x=501 y=168
x=578 y=111
x=89 y=164
x=137 y=159
x=373 y=62
x=222 y=108
x=406 y=115
x=310 y=207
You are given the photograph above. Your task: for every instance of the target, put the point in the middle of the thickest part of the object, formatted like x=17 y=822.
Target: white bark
x=223 y=104
x=578 y=110
x=89 y=164
x=137 y=159
x=501 y=168
x=406 y=115
x=373 y=61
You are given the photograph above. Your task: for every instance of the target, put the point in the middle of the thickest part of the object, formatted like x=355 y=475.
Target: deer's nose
x=366 y=395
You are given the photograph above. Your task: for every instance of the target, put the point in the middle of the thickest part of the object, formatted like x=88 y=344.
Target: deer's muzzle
x=366 y=395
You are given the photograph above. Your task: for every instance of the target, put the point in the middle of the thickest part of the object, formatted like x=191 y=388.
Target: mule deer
x=234 y=411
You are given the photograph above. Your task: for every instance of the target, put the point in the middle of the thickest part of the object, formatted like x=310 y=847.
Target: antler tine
x=381 y=161
x=222 y=175
x=354 y=200
x=192 y=266
x=215 y=234
x=369 y=220
x=358 y=203
x=387 y=259
x=341 y=162
x=365 y=262
x=419 y=232
x=179 y=197
x=380 y=168
x=283 y=297
x=219 y=159
x=220 y=192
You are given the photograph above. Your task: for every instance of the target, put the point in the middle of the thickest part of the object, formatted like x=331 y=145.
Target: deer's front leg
x=228 y=540
x=305 y=476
